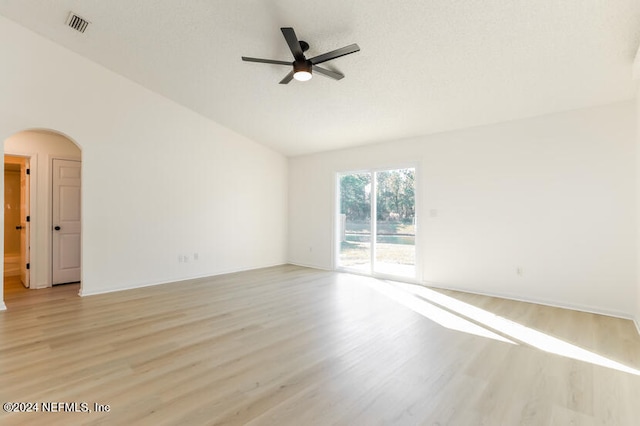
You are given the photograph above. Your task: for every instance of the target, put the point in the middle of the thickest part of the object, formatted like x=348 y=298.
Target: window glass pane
x=395 y=223
x=355 y=221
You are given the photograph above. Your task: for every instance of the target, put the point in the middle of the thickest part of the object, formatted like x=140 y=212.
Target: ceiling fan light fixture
x=302 y=71
x=302 y=76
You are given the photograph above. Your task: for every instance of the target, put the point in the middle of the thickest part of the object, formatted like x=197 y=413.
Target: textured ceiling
x=424 y=66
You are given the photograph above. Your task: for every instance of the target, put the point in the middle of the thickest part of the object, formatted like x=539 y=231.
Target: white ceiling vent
x=77 y=23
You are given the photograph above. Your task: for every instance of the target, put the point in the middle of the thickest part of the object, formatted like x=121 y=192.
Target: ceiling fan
x=303 y=67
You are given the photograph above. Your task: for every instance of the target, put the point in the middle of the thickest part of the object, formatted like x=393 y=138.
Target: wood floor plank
x=289 y=345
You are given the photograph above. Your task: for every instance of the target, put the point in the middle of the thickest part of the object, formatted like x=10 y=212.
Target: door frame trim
x=32 y=159
x=417 y=278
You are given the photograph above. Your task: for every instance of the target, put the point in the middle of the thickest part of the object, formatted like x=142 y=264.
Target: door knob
x=18 y=227
x=57 y=228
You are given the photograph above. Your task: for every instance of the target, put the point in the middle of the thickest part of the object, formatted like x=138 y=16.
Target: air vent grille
x=77 y=23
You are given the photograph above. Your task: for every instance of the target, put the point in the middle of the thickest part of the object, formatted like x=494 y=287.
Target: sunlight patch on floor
x=512 y=329
x=434 y=313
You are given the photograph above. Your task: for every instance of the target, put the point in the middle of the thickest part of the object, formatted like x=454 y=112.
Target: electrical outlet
x=520 y=271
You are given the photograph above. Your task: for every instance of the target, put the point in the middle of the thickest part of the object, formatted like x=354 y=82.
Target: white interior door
x=24 y=223
x=66 y=217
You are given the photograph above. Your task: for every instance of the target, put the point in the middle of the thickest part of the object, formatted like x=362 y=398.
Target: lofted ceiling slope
x=424 y=66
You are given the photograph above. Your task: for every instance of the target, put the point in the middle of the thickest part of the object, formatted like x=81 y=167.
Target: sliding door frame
x=373 y=225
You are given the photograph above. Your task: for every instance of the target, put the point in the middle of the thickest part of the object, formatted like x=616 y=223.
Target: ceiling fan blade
x=288 y=78
x=265 y=61
x=352 y=48
x=332 y=74
x=293 y=42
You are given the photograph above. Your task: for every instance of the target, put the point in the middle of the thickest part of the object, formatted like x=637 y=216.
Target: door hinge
x=28 y=218
x=28 y=266
x=28 y=171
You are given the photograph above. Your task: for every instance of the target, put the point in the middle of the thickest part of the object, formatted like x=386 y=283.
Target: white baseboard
x=306 y=265
x=83 y=292
x=552 y=303
x=3 y=307
x=636 y=321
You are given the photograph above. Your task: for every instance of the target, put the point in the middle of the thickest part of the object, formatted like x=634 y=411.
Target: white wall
x=554 y=195
x=159 y=181
x=42 y=147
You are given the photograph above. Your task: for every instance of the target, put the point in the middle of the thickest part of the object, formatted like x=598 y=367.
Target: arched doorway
x=53 y=162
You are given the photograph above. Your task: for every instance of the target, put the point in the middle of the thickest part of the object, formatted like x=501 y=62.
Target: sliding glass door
x=354 y=221
x=395 y=247
x=387 y=196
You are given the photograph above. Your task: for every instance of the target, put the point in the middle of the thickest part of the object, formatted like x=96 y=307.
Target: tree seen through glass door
x=355 y=221
x=389 y=196
x=395 y=250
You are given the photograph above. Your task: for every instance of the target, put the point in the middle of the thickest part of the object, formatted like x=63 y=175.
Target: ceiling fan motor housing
x=302 y=66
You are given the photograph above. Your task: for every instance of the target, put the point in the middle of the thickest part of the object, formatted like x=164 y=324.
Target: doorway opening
x=51 y=252
x=376 y=232
x=16 y=218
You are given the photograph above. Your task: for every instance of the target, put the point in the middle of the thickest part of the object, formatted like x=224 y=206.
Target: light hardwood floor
x=16 y=295
x=296 y=346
